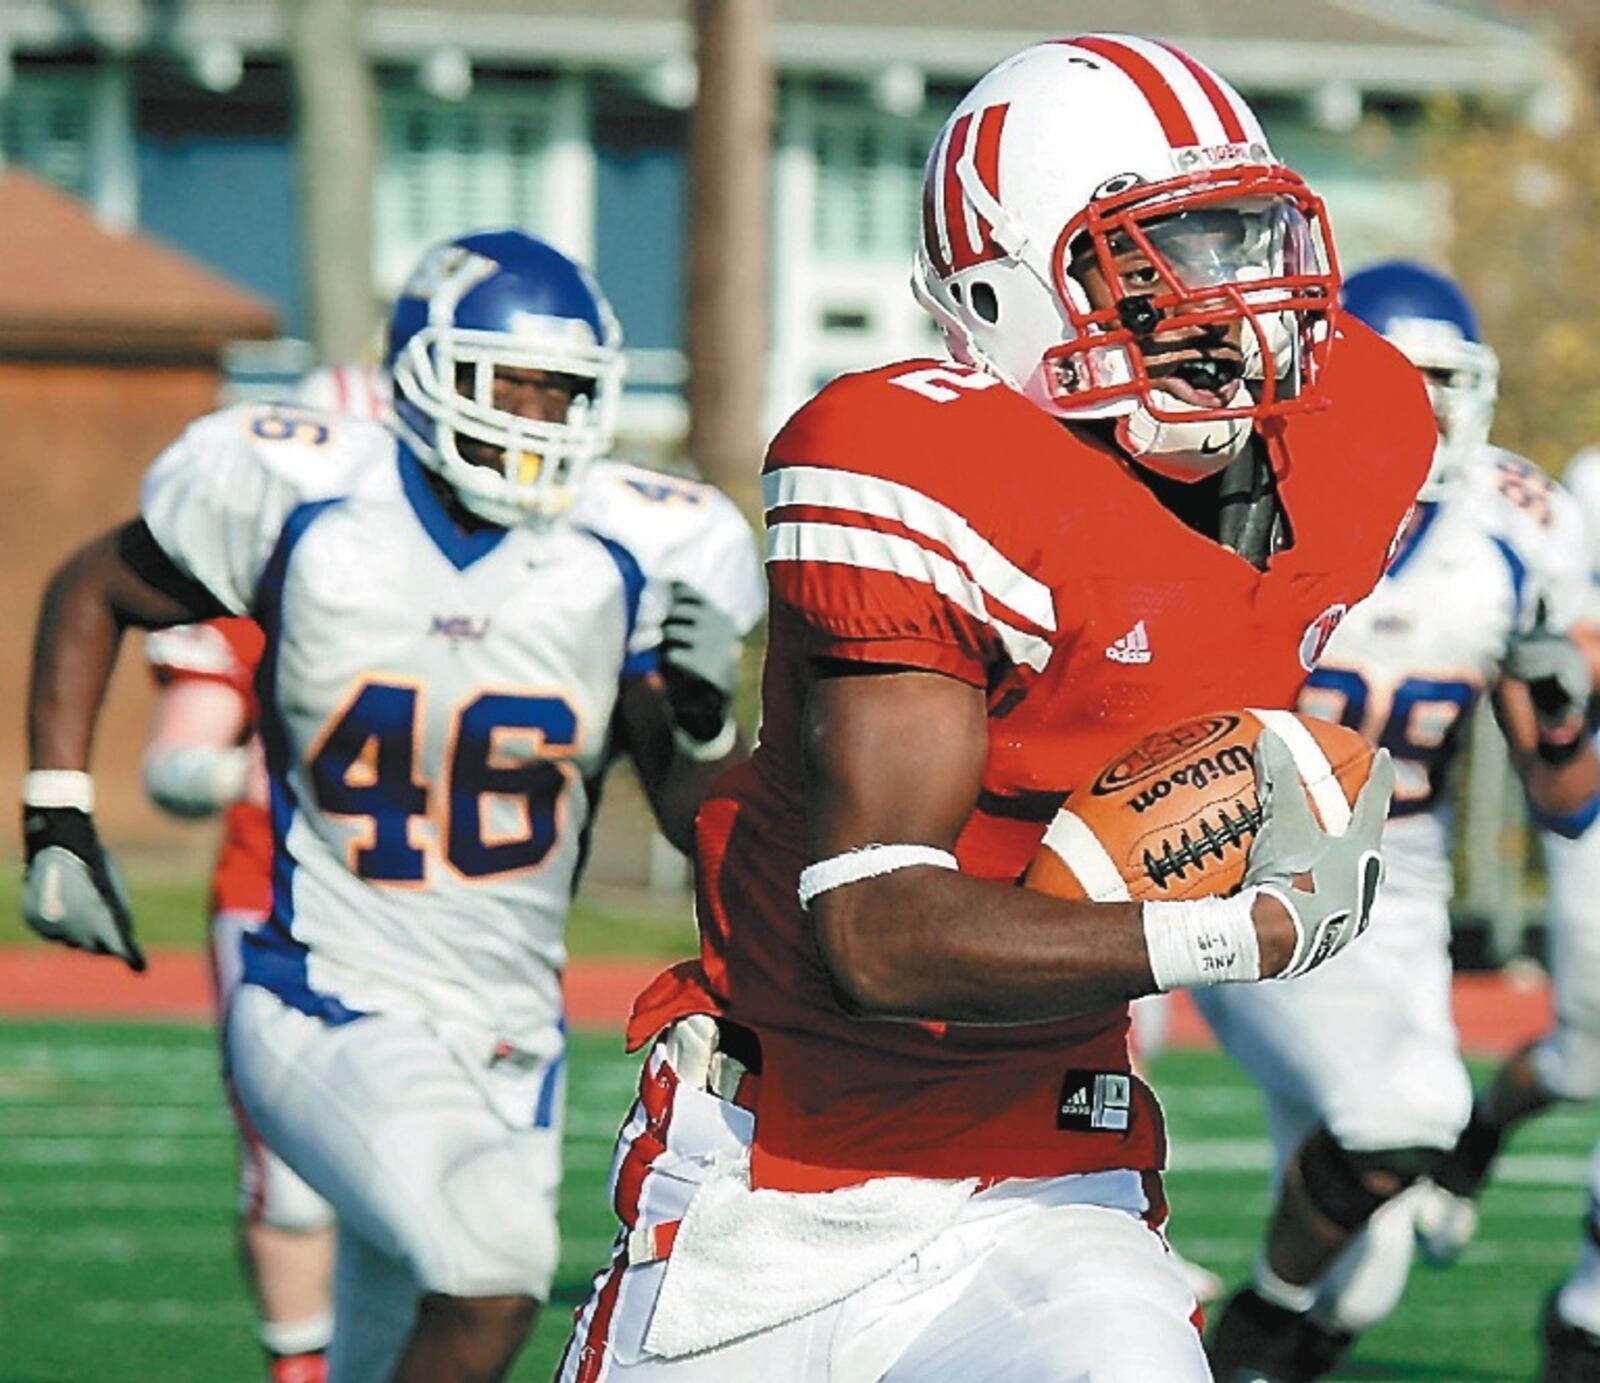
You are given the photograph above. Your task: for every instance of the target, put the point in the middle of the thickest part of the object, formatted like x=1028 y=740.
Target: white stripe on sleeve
x=870 y=550
x=995 y=575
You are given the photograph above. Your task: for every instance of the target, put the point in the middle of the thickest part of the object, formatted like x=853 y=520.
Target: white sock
x=1272 y=1288
x=1579 y=1302
x=307 y=1336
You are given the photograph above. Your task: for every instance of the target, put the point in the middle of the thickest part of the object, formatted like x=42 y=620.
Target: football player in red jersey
x=887 y=1129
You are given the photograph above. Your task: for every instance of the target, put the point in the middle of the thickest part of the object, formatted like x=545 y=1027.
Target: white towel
x=745 y=1261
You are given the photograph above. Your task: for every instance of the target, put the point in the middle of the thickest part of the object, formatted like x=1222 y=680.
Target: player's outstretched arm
x=1540 y=702
x=72 y=893
x=678 y=724
x=895 y=758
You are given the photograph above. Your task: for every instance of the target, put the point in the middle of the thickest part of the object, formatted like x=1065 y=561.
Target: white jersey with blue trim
x=680 y=530
x=1501 y=549
x=433 y=704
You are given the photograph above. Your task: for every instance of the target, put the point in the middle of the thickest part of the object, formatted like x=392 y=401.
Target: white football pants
x=269 y=1192
x=1054 y=1279
x=433 y=1190
x=1568 y=1060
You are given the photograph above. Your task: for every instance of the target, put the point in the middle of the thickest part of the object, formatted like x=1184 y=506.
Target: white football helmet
x=1072 y=153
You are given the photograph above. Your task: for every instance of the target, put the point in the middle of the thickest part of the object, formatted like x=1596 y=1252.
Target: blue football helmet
x=1429 y=318
x=503 y=299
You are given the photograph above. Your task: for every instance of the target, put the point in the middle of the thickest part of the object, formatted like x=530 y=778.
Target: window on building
x=449 y=167
x=45 y=126
x=869 y=179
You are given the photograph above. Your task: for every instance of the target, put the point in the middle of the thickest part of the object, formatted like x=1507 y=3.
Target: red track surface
x=1495 y=1014
x=51 y=982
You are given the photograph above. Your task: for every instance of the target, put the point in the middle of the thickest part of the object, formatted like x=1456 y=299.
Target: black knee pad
x=1339 y=1183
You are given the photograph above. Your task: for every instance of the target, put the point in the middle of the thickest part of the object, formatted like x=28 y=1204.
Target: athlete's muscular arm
x=674 y=782
x=678 y=722
x=1586 y=634
x=897 y=757
x=120 y=580
x=1556 y=789
x=1541 y=701
x=72 y=892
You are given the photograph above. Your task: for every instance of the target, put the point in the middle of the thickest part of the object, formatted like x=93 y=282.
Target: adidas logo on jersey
x=1132 y=647
x=1095 y=1100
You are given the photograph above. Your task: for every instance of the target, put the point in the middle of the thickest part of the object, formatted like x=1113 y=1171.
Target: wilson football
x=1173 y=817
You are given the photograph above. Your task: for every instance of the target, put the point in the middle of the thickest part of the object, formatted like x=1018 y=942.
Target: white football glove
x=1344 y=870
x=73 y=891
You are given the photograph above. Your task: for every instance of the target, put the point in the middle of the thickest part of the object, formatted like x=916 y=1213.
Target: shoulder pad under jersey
x=217 y=499
x=1379 y=409
x=312 y=449
x=677 y=529
x=903 y=506
x=954 y=434
x=1523 y=507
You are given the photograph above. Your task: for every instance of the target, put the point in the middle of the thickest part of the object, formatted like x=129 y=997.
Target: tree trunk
x=729 y=156
x=336 y=137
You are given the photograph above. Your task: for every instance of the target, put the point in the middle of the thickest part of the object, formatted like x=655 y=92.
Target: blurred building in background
x=109 y=345
x=1443 y=129
x=570 y=117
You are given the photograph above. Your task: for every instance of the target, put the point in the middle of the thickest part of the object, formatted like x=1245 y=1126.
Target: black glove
x=72 y=891
x=1557 y=676
x=699 y=665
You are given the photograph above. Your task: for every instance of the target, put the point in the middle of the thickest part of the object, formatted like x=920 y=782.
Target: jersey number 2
x=366 y=766
x=944 y=383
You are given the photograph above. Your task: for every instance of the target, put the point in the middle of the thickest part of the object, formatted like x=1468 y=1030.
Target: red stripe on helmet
x=1232 y=125
x=1156 y=90
x=962 y=251
x=986 y=158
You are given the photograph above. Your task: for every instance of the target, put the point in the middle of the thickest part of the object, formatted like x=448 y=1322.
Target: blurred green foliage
x=1526 y=211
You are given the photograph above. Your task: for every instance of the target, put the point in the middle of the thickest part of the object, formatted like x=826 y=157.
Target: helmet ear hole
x=985 y=301
x=955 y=291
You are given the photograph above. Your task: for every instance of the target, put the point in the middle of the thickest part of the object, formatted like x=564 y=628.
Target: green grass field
x=116 y=1176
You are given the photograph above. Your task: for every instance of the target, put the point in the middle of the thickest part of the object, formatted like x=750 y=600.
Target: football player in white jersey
x=447 y=653
x=203 y=757
x=1565 y=1063
x=1366 y=1091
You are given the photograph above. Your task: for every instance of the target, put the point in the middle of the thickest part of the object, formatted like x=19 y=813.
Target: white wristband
x=707 y=751
x=1197 y=944
x=59 y=787
x=195 y=780
x=866 y=862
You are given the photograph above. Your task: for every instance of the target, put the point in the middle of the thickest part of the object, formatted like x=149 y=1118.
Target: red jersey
x=225 y=651
x=919 y=517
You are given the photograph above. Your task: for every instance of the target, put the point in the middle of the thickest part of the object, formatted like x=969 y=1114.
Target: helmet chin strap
x=1181 y=450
